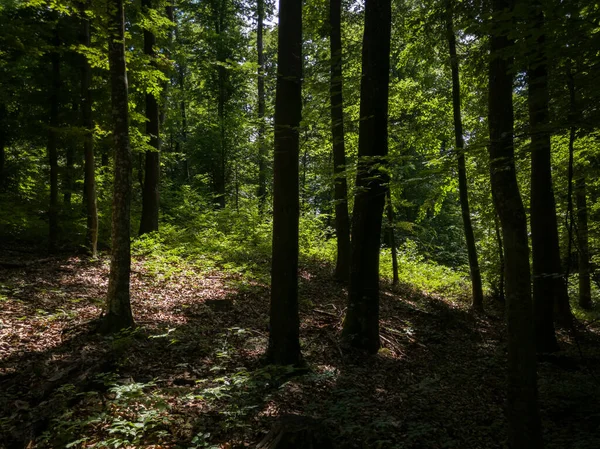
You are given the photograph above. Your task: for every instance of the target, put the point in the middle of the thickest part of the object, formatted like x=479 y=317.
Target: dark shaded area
x=194 y=361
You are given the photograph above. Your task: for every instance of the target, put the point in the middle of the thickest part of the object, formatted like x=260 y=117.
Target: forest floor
x=190 y=375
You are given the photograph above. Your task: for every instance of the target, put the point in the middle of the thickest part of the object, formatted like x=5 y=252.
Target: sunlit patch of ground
x=191 y=375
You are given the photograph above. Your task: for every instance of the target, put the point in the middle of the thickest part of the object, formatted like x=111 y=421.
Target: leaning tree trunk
x=117 y=313
x=462 y=170
x=91 y=235
x=262 y=148
x=52 y=142
x=548 y=284
x=150 y=191
x=340 y=191
x=524 y=430
x=361 y=326
x=585 y=293
x=284 y=341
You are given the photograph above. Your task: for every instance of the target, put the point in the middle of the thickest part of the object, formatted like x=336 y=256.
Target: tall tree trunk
x=462 y=170
x=262 y=148
x=52 y=142
x=220 y=169
x=284 y=342
x=182 y=109
x=340 y=191
x=361 y=326
x=548 y=283
x=91 y=235
x=392 y=237
x=500 y=258
x=524 y=430
x=221 y=176
x=563 y=311
x=150 y=191
x=585 y=293
x=117 y=313
x=69 y=175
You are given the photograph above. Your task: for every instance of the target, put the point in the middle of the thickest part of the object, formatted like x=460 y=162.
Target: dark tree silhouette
x=150 y=192
x=462 y=169
x=340 y=191
x=523 y=418
x=284 y=340
x=361 y=326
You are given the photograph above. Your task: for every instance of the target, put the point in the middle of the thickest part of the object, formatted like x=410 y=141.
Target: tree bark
x=477 y=304
x=117 y=313
x=262 y=149
x=500 y=258
x=52 y=142
x=361 y=326
x=340 y=191
x=150 y=191
x=69 y=175
x=548 y=283
x=284 y=342
x=91 y=236
x=392 y=237
x=585 y=292
x=564 y=314
x=524 y=429
x=220 y=169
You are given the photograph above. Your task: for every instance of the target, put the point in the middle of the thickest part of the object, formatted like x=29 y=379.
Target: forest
x=300 y=224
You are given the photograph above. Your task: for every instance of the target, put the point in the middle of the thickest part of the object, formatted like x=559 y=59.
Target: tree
x=52 y=142
x=392 y=236
x=548 y=283
x=91 y=237
x=524 y=430
x=585 y=293
x=150 y=192
x=340 y=191
x=462 y=170
x=262 y=149
x=361 y=325
x=284 y=341
x=117 y=313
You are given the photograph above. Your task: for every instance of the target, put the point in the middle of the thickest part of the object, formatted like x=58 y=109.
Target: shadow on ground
x=190 y=375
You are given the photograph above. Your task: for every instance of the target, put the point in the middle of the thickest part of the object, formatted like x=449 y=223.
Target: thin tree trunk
x=221 y=181
x=52 y=143
x=340 y=191
x=182 y=109
x=150 y=191
x=564 y=315
x=117 y=313
x=220 y=175
x=392 y=237
x=500 y=258
x=284 y=342
x=462 y=170
x=548 y=283
x=69 y=178
x=585 y=292
x=524 y=429
x=361 y=326
x=91 y=236
x=262 y=148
